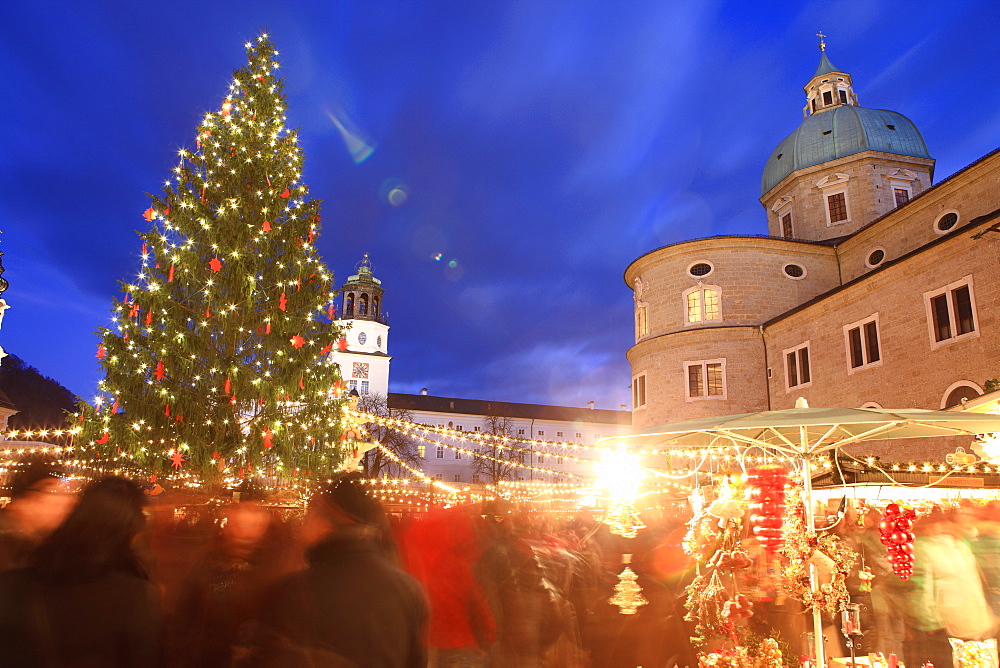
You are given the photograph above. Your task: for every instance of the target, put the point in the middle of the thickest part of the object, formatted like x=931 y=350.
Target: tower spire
x=822 y=40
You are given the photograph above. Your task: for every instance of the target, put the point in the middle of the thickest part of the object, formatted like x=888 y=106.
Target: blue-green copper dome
x=841 y=131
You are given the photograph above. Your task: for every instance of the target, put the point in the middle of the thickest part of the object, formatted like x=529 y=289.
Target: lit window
x=641 y=321
x=862 y=344
x=951 y=313
x=837 y=205
x=440 y=452
x=639 y=391
x=702 y=304
x=422 y=451
x=706 y=379
x=797 y=371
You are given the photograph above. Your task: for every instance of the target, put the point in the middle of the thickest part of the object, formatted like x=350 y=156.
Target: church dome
x=838 y=132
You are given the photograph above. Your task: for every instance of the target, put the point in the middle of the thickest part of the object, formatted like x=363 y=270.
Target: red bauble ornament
x=766 y=488
x=892 y=510
x=285 y=193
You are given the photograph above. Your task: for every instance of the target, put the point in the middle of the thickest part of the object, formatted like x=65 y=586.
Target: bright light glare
x=620 y=474
x=987 y=446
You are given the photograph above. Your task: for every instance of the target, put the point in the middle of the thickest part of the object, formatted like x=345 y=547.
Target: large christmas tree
x=217 y=358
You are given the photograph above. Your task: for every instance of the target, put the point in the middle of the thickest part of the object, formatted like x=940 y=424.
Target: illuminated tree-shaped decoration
x=217 y=350
x=628 y=594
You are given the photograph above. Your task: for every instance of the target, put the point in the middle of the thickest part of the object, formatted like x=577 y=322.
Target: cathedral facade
x=873 y=287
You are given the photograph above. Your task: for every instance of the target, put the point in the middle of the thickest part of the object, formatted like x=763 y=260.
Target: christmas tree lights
x=216 y=357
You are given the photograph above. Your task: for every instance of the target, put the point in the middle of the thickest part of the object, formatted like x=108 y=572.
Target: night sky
x=541 y=146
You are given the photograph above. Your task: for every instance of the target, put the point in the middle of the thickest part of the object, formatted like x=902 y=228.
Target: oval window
x=700 y=269
x=362 y=337
x=795 y=271
x=875 y=258
x=946 y=222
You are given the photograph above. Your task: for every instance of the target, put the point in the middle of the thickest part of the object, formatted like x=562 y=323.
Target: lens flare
x=357 y=145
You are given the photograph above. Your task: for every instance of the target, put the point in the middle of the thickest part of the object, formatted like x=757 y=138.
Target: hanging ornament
x=285 y=193
x=114 y=407
x=148 y=214
x=267 y=327
x=331 y=311
x=176 y=459
x=215 y=264
x=103 y=439
x=227 y=108
x=342 y=344
x=268 y=435
x=326 y=349
x=897 y=536
x=766 y=491
x=628 y=594
x=865 y=576
x=208 y=312
x=283 y=302
x=166 y=411
x=149 y=317
x=161 y=371
x=297 y=341
x=228 y=387
x=302 y=384
x=267 y=226
x=101 y=352
x=133 y=311
x=166 y=212
x=170 y=274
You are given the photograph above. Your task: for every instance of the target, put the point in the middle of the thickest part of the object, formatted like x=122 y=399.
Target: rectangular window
x=641 y=321
x=439 y=476
x=639 y=391
x=797 y=372
x=475 y=478
x=837 y=204
x=459 y=428
x=364 y=387
x=951 y=313
x=458 y=454
x=786 y=226
x=440 y=452
x=541 y=433
x=843 y=96
x=706 y=379
x=702 y=304
x=520 y=432
x=579 y=435
x=352 y=385
x=541 y=458
x=862 y=341
x=827 y=98
x=458 y=477
x=422 y=451
x=559 y=434
x=559 y=460
x=475 y=428
x=902 y=196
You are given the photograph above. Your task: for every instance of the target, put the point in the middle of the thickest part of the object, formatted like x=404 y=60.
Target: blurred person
x=352 y=606
x=947 y=598
x=85 y=599
x=443 y=551
x=222 y=594
x=39 y=502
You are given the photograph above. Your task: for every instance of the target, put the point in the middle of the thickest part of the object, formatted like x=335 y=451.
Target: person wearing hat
x=352 y=606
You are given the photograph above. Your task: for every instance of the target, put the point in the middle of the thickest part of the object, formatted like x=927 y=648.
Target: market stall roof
x=809 y=431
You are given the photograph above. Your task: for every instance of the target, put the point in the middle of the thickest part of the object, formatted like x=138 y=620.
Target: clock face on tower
x=362 y=337
x=360 y=370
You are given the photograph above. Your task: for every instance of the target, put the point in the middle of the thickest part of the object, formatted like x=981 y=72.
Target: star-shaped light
x=215 y=264
x=177 y=459
x=297 y=341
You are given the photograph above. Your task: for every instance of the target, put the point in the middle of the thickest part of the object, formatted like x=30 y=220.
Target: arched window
x=349 y=304
x=963 y=390
x=363 y=305
x=375 y=305
x=703 y=304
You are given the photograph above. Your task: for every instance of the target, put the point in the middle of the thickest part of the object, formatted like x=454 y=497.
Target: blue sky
x=543 y=146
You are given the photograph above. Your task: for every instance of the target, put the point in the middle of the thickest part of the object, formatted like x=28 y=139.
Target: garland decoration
x=824 y=550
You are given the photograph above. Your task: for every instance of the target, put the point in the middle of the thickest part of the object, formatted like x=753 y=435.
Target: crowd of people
x=103 y=578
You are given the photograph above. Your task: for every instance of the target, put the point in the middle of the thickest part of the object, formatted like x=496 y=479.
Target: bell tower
x=363 y=352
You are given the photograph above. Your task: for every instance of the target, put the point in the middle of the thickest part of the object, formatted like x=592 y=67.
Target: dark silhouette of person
x=85 y=599
x=352 y=606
